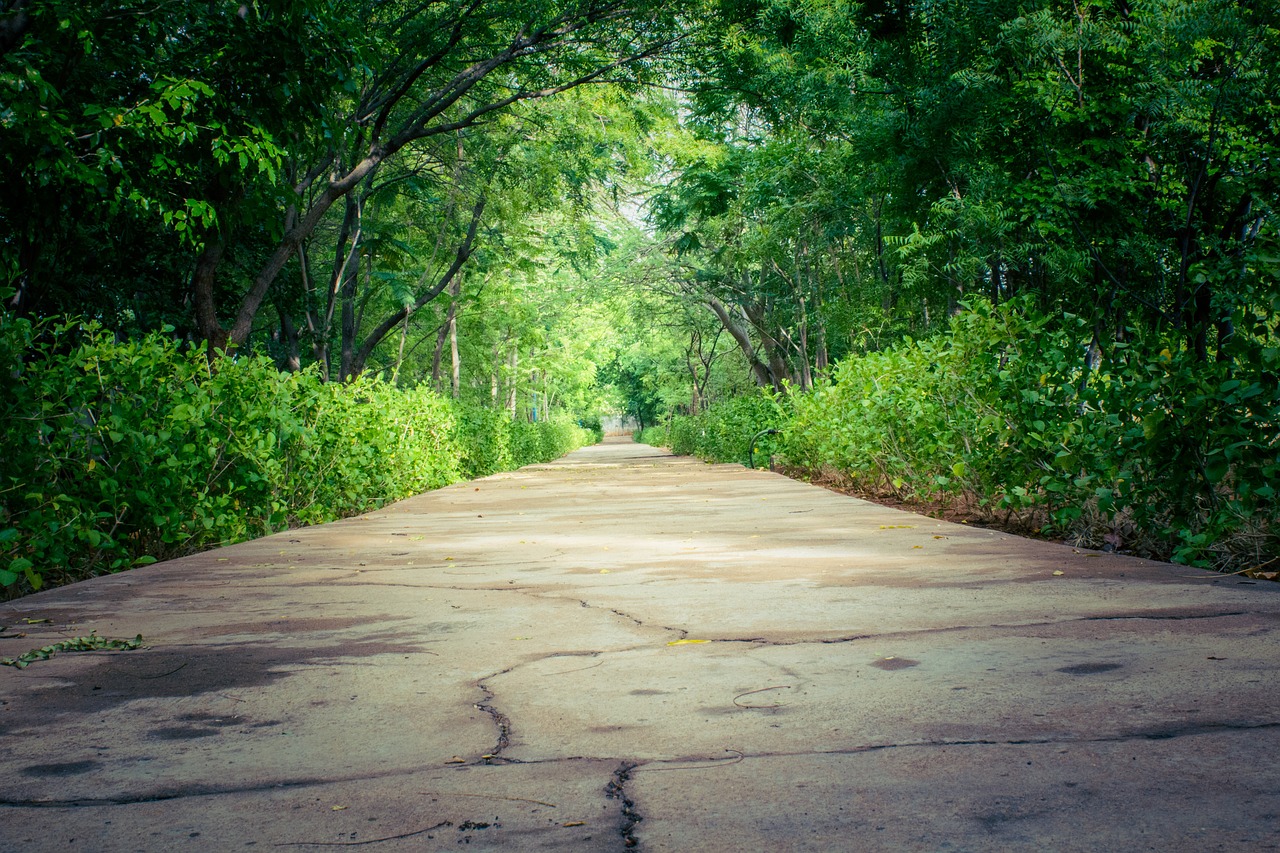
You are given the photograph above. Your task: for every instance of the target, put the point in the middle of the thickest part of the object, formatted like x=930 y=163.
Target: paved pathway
x=628 y=650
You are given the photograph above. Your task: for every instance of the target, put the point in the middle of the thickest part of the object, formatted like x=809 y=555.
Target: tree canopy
x=441 y=191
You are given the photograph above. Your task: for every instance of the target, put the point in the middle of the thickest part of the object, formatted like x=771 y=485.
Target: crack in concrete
x=711 y=762
x=1172 y=617
x=500 y=720
x=203 y=791
x=917 y=632
x=616 y=790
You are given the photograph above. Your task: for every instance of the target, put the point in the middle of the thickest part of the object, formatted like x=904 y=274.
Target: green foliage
x=1151 y=447
x=122 y=453
x=723 y=432
x=656 y=436
x=90 y=643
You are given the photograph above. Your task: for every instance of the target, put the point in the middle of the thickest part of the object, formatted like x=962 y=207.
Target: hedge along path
x=628 y=650
x=122 y=453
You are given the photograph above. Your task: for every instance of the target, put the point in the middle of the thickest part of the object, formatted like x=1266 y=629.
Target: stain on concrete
x=1089 y=668
x=64 y=768
x=181 y=733
x=892 y=664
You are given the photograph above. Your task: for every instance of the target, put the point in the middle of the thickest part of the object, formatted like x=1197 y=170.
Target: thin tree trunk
x=739 y=333
x=455 y=290
x=202 y=281
x=292 y=359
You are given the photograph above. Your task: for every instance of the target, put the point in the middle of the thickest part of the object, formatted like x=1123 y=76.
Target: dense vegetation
x=1153 y=452
x=1017 y=253
x=119 y=454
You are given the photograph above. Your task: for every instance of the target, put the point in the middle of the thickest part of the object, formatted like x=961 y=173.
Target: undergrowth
x=119 y=454
x=1148 y=450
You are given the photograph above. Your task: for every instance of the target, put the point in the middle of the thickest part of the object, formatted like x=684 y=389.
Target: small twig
x=487 y=797
x=579 y=669
x=161 y=675
x=760 y=690
x=1232 y=574
x=359 y=843
x=739 y=757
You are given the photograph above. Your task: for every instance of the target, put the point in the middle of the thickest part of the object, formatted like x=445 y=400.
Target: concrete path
x=629 y=650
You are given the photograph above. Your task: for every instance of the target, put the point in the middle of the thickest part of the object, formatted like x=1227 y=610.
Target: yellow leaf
x=93 y=463
x=685 y=642
x=118 y=120
x=1059 y=573
x=896 y=526
x=456 y=760
x=914 y=547
x=575 y=823
x=604 y=571
x=338 y=808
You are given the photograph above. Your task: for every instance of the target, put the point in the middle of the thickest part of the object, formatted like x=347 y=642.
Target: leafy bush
x=1149 y=447
x=723 y=432
x=656 y=436
x=119 y=454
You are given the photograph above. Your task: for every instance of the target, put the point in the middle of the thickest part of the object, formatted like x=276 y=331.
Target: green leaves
x=1181 y=451
x=122 y=453
x=80 y=644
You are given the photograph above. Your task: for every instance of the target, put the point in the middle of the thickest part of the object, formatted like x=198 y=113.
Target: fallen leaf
x=337 y=808
x=37 y=621
x=575 y=823
x=604 y=571
x=456 y=760
x=896 y=526
x=686 y=642
x=1059 y=573
x=913 y=547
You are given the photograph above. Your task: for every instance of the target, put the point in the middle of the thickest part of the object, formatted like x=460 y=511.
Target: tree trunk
x=360 y=358
x=455 y=290
x=739 y=333
x=202 y=281
x=291 y=361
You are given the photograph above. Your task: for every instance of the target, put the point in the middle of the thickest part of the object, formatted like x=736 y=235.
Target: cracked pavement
x=629 y=650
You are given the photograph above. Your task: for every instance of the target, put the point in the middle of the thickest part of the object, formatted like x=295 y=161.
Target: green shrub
x=119 y=454
x=656 y=436
x=723 y=432
x=1151 y=446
